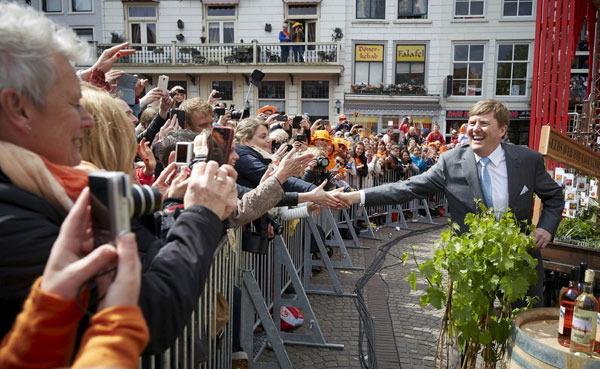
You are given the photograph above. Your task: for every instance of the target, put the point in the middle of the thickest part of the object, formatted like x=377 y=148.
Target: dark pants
x=298 y=51
x=284 y=53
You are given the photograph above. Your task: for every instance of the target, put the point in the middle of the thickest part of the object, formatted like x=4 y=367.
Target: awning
x=221 y=2
x=305 y=1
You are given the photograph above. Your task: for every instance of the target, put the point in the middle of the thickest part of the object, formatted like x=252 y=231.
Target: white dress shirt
x=498 y=172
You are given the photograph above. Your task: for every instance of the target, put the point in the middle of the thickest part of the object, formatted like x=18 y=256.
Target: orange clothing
x=382 y=154
x=44 y=334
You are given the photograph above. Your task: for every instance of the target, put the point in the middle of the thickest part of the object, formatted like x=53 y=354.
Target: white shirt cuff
x=362 y=196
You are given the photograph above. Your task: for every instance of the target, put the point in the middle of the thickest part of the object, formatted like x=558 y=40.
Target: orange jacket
x=44 y=333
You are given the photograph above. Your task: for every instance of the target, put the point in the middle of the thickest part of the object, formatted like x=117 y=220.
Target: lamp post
x=338 y=105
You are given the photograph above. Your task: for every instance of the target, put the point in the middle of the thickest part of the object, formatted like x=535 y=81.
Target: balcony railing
x=395 y=89
x=230 y=54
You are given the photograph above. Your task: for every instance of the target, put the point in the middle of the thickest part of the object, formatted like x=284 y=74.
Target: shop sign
x=370 y=53
x=406 y=53
x=563 y=149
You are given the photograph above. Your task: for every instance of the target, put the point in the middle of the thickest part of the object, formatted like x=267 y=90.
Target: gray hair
x=279 y=135
x=28 y=43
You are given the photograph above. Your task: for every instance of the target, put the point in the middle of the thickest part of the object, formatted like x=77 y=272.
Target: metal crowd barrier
x=264 y=280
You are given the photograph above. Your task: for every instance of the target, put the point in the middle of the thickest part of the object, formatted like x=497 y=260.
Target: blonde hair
x=501 y=112
x=193 y=105
x=111 y=143
x=246 y=129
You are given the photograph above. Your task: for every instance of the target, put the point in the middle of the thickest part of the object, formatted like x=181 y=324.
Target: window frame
x=383 y=61
x=519 y=17
x=412 y=17
x=328 y=99
x=369 y=18
x=470 y=17
x=483 y=70
x=90 y=43
x=144 y=20
x=528 y=76
x=265 y=100
x=302 y=16
x=425 y=69
x=221 y=20
x=73 y=11
x=62 y=8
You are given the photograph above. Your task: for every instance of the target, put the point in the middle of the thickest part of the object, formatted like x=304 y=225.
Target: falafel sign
x=563 y=149
x=410 y=53
x=370 y=53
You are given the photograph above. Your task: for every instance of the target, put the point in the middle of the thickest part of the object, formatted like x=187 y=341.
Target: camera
x=220 y=111
x=184 y=153
x=296 y=121
x=180 y=117
x=115 y=201
x=322 y=162
x=281 y=118
x=300 y=138
x=277 y=227
x=238 y=114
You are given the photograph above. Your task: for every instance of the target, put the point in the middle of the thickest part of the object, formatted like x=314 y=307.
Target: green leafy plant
x=468 y=273
x=583 y=230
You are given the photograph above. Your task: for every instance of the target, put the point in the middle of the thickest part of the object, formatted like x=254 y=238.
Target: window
x=370 y=9
x=467 y=70
x=466 y=9
x=142 y=21
x=295 y=10
x=272 y=93
x=52 y=6
x=511 y=73
x=410 y=9
x=410 y=65
x=368 y=64
x=315 y=99
x=221 y=24
x=517 y=8
x=81 y=5
x=225 y=88
x=86 y=34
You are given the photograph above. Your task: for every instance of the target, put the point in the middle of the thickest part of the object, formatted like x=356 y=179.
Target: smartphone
x=163 y=83
x=296 y=121
x=126 y=84
x=109 y=198
x=220 y=111
x=300 y=138
x=218 y=95
x=281 y=118
x=184 y=153
x=220 y=144
x=180 y=117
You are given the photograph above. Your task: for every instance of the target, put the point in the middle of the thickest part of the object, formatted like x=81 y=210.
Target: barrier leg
x=400 y=220
x=347 y=224
x=422 y=205
x=365 y=218
x=253 y=303
x=336 y=288
x=283 y=262
x=338 y=241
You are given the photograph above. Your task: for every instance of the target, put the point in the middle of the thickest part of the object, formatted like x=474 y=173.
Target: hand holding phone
x=163 y=83
x=180 y=117
x=296 y=121
x=281 y=118
x=126 y=84
x=220 y=144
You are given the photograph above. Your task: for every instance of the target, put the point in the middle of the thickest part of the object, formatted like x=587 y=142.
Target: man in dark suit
x=502 y=175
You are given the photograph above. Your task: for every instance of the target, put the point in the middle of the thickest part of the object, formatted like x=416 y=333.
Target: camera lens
x=146 y=200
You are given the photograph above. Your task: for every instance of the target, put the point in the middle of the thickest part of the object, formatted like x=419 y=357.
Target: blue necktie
x=486 y=182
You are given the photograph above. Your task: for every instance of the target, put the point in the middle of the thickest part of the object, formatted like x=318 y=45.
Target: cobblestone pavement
x=405 y=332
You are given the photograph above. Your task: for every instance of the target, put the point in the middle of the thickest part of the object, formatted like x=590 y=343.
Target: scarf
x=262 y=152
x=58 y=184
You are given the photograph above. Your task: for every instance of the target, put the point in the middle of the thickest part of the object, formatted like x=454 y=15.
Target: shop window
x=468 y=9
x=410 y=65
x=411 y=9
x=315 y=99
x=517 y=8
x=370 y=9
x=368 y=65
x=272 y=93
x=52 y=6
x=467 y=70
x=225 y=88
x=511 y=72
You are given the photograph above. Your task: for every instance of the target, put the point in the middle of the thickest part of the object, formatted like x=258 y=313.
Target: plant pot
x=203 y=39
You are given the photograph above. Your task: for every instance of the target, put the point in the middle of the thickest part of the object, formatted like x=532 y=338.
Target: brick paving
x=405 y=332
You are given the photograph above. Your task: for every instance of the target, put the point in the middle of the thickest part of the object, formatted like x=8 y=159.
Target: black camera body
x=115 y=201
x=238 y=114
x=322 y=162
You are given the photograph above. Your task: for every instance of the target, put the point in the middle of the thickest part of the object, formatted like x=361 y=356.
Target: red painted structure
x=558 y=26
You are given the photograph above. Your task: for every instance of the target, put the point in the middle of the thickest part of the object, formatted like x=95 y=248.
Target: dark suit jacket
x=456 y=175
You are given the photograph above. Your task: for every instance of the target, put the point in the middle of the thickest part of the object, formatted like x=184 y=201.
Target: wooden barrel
x=533 y=344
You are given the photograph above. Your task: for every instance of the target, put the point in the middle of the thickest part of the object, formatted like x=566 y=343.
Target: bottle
x=567 y=303
x=583 y=328
x=582 y=269
x=597 y=343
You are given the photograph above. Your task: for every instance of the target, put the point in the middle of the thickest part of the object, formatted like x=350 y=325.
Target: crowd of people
x=72 y=302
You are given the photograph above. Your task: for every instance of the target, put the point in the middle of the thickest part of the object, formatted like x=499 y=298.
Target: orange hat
x=433 y=144
x=265 y=108
x=463 y=128
x=342 y=117
x=340 y=141
x=320 y=135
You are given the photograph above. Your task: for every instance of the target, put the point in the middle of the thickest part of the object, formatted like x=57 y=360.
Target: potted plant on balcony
x=185 y=50
x=158 y=50
x=337 y=34
x=467 y=275
x=213 y=62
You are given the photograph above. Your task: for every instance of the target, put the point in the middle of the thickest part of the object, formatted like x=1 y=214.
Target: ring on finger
x=217 y=178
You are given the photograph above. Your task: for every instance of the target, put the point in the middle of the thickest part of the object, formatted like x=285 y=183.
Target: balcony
x=319 y=57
